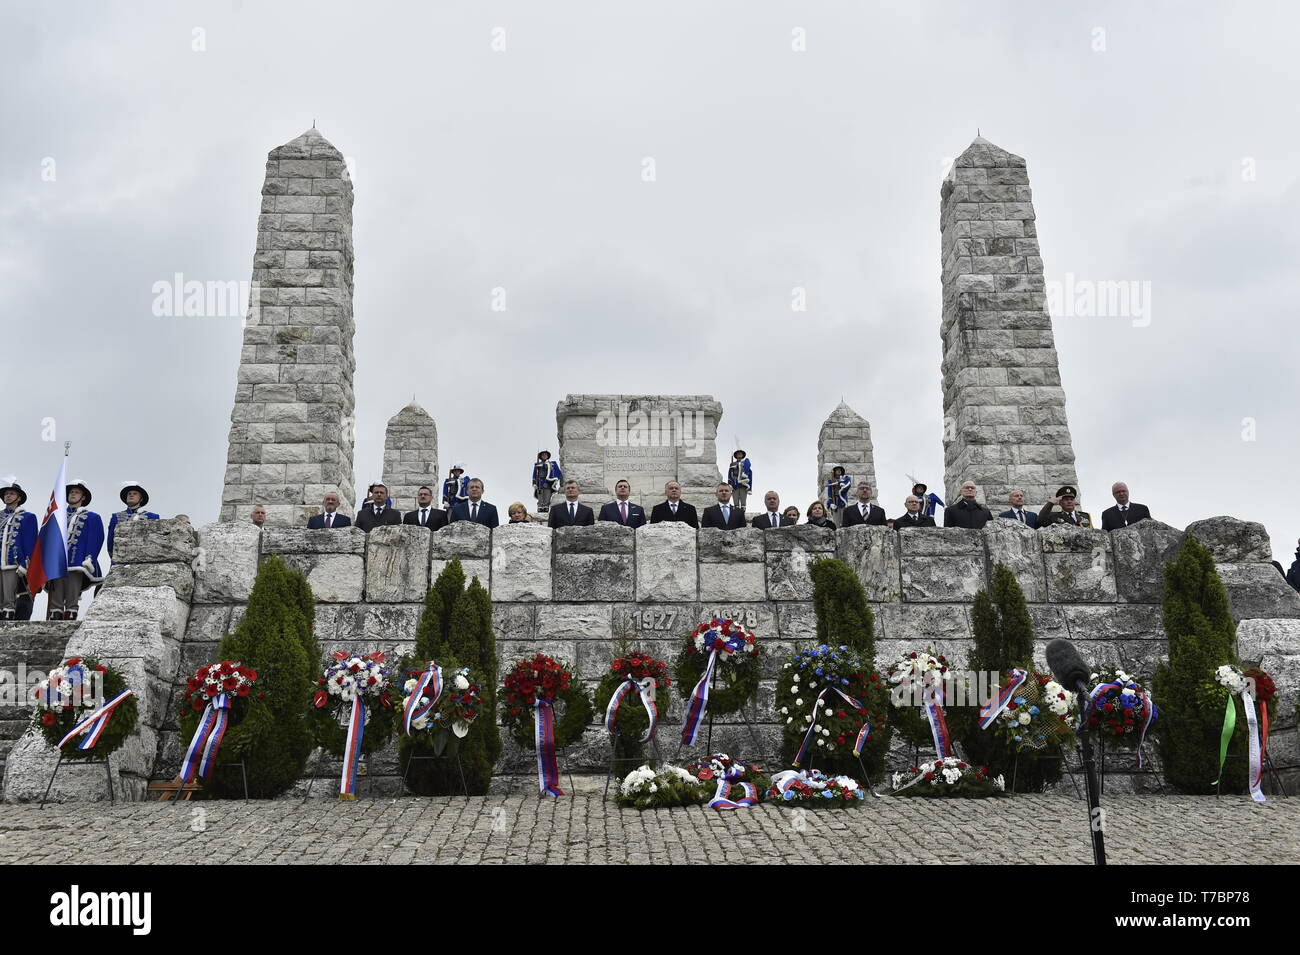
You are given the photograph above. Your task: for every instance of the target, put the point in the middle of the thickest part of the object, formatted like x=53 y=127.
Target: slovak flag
x=50 y=556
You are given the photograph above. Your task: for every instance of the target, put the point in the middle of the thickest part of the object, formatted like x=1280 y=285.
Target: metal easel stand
x=1270 y=772
x=615 y=760
x=510 y=788
x=364 y=761
x=1060 y=754
x=108 y=774
x=758 y=754
x=1146 y=753
x=464 y=786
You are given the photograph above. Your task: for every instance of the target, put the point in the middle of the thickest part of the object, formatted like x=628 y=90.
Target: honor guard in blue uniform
x=135 y=497
x=929 y=500
x=837 y=491
x=85 y=538
x=546 y=480
x=456 y=488
x=17 y=541
x=741 y=478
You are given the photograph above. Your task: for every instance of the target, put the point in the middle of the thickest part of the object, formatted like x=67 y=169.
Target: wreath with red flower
x=543 y=678
x=738 y=668
x=234 y=679
x=1119 y=709
x=632 y=719
x=348 y=676
x=74 y=690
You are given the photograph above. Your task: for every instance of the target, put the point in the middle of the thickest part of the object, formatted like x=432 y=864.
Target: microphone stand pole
x=1095 y=817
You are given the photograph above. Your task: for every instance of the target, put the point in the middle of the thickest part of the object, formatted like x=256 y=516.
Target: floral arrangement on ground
x=812 y=789
x=663 y=787
x=947 y=777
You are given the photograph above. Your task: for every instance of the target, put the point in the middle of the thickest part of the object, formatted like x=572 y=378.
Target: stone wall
x=574 y=592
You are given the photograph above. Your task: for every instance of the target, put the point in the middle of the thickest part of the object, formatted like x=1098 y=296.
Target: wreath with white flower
x=348 y=677
x=947 y=777
x=660 y=788
x=70 y=694
x=812 y=789
x=910 y=677
x=819 y=678
x=543 y=678
x=719 y=767
x=1120 y=708
x=738 y=668
x=1041 y=712
x=457 y=707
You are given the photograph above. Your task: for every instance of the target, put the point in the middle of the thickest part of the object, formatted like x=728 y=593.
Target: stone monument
x=845 y=438
x=648 y=439
x=1004 y=408
x=291 y=428
x=411 y=456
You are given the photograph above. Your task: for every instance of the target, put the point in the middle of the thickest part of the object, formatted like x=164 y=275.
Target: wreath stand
x=758 y=755
x=615 y=760
x=510 y=789
x=1065 y=764
x=108 y=774
x=362 y=761
x=1270 y=772
x=406 y=771
x=177 y=791
x=1145 y=751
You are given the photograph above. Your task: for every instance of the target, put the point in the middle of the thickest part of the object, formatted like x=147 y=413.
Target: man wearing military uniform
x=546 y=480
x=85 y=538
x=837 y=493
x=741 y=478
x=135 y=497
x=1062 y=510
x=17 y=541
x=455 y=488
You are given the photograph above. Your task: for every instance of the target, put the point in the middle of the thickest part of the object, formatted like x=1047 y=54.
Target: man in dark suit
x=723 y=515
x=913 y=517
x=1124 y=512
x=330 y=518
x=1018 y=513
x=376 y=512
x=621 y=510
x=475 y=508
x=674 y=509
x=572 y=512
x=862 y=511
x=425 y=514
x=967 y=512
x=772 y=516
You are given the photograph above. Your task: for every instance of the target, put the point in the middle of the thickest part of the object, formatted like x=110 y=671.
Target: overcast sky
x=1161 y=142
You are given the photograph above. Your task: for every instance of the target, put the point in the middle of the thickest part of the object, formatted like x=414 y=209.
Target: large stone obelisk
x=291 y=431
x=1004 y=408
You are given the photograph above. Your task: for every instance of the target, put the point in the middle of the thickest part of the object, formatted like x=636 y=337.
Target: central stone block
x=647 y=439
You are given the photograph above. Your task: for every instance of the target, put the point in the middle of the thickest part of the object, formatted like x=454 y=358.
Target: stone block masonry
x=577 y=592
x=411 y=457
x=291 y=429
x=1004 y=408
x=845 y=439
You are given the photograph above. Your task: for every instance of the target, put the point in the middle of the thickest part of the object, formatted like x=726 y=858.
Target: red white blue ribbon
x=990 y=710
x=1148 y=707
x=548 y=768
x=699 y=703
x=646 y=689
x=206 y=741
x=352 y=750
x=93 y=726
x=428 y=685
x=938 y=724
x=808 y=737
x=722 y=800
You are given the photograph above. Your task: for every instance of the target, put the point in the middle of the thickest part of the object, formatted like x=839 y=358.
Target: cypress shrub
x=274 y=738
x=1202 y=638
x=455 y=629
x=845 y=619
x=306 y=603
x=1004 y=639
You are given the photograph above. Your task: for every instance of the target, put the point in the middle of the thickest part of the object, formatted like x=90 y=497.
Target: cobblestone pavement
x=581 y=829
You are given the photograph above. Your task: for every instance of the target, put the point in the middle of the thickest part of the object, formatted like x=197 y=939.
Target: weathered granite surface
x=411 y=457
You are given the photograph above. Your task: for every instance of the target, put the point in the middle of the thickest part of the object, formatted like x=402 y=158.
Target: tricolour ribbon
x=938 y=724
x=1254 y=748
x=201 y=755
x=548 y=768
x=863 y=732
x=646 y=689
x=431 y=681
x=995 y=705
x=722 y=796
x=352 y=750
x=93 y=726
x=699 y=703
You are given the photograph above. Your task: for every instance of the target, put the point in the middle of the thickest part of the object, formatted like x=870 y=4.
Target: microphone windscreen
x=1066 y=664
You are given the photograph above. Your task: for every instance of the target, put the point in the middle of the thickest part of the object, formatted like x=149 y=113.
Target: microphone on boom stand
x=1072 y=673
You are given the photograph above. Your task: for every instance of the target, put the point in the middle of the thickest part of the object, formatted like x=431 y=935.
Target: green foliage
x=300 y=592
x=845 y=619
x=275 y=737
x=56 y=723
x=1202 y=638
x=456 y=626
x=1004 y=639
